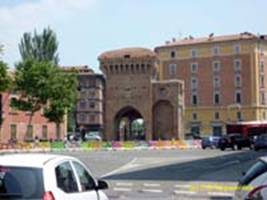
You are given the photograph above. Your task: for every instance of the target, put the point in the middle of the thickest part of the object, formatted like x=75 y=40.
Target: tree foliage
x=39 y=81
x=32 y=82
x=5 y=79
x=40 y=47
x=62 y=95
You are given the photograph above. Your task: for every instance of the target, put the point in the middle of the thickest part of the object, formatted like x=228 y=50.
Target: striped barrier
x=95 y=146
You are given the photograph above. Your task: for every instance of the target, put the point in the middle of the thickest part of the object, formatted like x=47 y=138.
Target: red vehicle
x=247 y=128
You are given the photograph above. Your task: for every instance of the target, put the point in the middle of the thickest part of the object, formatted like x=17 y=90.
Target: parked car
x=234 y=141
x=211 y=142
x=47 y=177
x=260 y=142
x=253 y=184
x=92 y=137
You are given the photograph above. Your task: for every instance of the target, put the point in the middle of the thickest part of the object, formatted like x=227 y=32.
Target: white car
x=47 y=177
x=253 y=184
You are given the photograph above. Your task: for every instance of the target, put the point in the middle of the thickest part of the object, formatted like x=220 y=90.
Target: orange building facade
x=225 y=79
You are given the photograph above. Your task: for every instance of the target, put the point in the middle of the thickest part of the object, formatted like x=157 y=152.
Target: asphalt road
x=169 y=174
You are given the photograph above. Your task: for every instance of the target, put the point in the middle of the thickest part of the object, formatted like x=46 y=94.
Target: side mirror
x=101 y=185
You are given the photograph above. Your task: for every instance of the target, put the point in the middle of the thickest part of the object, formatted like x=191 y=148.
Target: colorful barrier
x=94 y=146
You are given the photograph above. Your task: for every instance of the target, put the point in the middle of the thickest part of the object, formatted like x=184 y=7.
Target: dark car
x=260 y=142
x=210 y=142
x=234 y=141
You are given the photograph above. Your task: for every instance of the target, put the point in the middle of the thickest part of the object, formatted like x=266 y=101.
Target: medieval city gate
x=133 y=94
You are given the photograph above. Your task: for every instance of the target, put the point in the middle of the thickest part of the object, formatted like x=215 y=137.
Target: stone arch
x=123 y=124
x=163 y=125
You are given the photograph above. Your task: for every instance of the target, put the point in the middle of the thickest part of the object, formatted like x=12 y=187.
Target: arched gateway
x=132 y=95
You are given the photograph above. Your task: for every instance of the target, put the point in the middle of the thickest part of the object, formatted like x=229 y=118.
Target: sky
x=86 y=28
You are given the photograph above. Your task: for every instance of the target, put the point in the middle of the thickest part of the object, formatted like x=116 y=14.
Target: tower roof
x=127 y=53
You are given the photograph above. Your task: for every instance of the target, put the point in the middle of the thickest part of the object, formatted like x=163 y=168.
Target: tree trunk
x=58 y=130
x=29 y=124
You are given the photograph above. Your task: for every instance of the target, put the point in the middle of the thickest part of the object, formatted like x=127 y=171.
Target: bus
x=247 y=128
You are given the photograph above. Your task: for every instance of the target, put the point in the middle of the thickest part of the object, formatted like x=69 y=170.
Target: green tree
x=40 y=47
x=32 y=82
x=39 y=81
x=5 y=80
x=62 y=97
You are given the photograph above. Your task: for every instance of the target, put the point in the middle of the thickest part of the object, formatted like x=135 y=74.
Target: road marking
x=221 y=194
x=122 y=189
x=151 y=190
x=184 y=192
x=182 y=186
x=124 y=184
x=151 y=185
x=124 y=167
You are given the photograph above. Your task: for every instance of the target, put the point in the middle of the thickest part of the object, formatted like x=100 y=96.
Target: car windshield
x=21 y=183
x=255 y=171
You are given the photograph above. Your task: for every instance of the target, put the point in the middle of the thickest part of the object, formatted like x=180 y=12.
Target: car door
x=66 y=183
x=87 y=183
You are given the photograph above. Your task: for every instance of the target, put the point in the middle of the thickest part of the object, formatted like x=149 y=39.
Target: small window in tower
x=127 y=56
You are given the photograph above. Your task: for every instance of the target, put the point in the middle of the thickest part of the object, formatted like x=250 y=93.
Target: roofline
x=253 y=37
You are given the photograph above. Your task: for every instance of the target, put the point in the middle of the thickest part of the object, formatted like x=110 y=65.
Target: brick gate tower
x=133 y=93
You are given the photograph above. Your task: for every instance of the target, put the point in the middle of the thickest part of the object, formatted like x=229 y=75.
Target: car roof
x=264 y=159
x=30 y=159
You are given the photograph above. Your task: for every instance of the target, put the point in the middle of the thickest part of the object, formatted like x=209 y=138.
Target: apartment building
x=225 y=79
x=90 y=104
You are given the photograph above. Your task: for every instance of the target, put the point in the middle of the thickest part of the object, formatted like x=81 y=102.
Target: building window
x=173 y=54
x=216 y=82
x=194 y=99
x=216 y=98
x=92 y=118
x=262 y=66
x=44 y=132
x=194 y=83
x=13 y=131
x=239 y=116
x=264 y=115
x=216 y=66
x=237 y=65
x=261 y=51
x=172 y=69
x=92 y=93
x=194 y=116
x=237 y=48
x=82 y=117
x=238 y=98
x=82 y=104
x=217 y=130
x=193 y=53
x=92 y=105
x=195 y=130
x=238 y=82
x=83 y=94
x=194 y=67
x=216 y=115
x=263 y=98
x=29 y=132
x=215 y=51
x=262 y=81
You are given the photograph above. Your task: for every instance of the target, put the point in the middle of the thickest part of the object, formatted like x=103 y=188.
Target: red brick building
x=15 y=124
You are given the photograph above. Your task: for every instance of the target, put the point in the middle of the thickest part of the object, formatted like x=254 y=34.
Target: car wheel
x=203 y=148
x=256 y=149
x=222 y=148
x=239 y=147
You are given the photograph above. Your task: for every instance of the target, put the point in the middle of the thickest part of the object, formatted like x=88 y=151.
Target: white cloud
x=25 y=17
